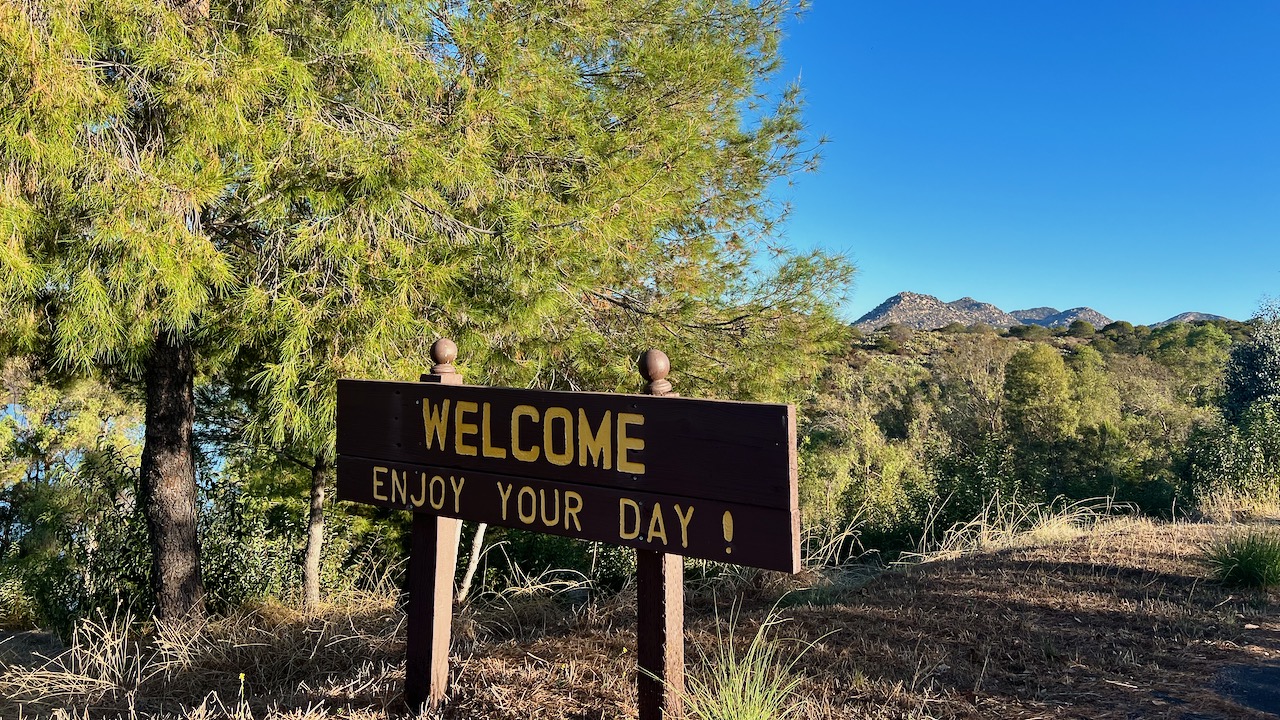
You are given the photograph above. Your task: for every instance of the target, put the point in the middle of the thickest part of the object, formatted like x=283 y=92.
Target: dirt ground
x=1120 y=622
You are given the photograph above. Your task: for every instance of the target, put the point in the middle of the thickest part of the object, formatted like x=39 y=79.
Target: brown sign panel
x=693 y=527
x=610 y=459
x=729 y=451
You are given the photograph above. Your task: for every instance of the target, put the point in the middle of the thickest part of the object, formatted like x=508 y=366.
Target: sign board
x=700 y=478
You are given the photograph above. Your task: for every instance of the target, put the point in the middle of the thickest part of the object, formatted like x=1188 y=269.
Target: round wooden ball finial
x=443 y=352
x=654 y=365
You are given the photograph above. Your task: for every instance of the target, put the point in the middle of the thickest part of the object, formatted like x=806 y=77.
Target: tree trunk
x=477 y=545
x=320 y=472
x=168 y=481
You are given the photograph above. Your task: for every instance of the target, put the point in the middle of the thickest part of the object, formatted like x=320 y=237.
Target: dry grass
x=1230 y=507
x=262 y=660
x=1007 y=523
x=1115 y=618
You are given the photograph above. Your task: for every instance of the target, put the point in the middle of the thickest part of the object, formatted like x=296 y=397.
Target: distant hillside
x=926 y=312
x=1188 y=317
x=1054 y=318
x=1034 y=316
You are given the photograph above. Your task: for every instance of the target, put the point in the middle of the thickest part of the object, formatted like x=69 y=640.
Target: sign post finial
x=443 y=352
x=654 y=366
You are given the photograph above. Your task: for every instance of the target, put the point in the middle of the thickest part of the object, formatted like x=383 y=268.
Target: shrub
x=1238 y=460
x=1029 y=332
x=887 y=345
x=1081 y=329
x=1246 y=559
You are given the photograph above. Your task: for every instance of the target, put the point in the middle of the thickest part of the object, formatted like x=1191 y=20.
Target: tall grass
x=755 y=683
x=1246 y=559
x=1228 y=506
x=250 y=660
x=1008 y=522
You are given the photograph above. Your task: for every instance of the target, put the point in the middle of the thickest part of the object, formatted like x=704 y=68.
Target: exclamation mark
x=727 y=522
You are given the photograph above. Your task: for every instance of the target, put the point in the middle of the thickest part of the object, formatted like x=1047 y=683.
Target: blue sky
x=1120 y=155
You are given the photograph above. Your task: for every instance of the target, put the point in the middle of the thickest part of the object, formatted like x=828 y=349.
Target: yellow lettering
x=462 y=429
x=657 y=528
x=437 y=481
x=684 y=519
x=399 y=484
x=435 y=418
x=623 y=532
x=457 y=492
x=522 y=454
x=486 y=436
x=549 y=436
x=555 y=503
x=422 y=496
x=526 y=518
x=626 y=443
x=572 y=505
x=597 y=445
x=505 y=495
x=378 y=482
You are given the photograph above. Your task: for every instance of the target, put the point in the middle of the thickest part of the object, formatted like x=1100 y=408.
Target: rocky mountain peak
x=926 y=312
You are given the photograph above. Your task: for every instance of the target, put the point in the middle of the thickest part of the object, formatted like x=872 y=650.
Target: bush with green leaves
x=1239 y=460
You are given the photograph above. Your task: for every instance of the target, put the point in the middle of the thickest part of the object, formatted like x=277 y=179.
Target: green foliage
x=860 y=463
x=1029 y=332
x=69 y=530
x=82 y=542
x=1196 y=353
x=1250 y=560
x=1081 y=329
x=1096 y=399
x=886 y=344
x=1253 y=370
x=914 y=443
x=1240 y=459
x=244 y=554
x=1037 y=392
x=516 y=552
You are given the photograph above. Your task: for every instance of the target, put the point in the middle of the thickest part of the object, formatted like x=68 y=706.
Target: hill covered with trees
x=912 y=431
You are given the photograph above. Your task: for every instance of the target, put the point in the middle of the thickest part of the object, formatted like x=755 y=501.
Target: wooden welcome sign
x=669 y=476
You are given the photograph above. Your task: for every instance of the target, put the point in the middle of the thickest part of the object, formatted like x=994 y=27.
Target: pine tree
x=322 y=188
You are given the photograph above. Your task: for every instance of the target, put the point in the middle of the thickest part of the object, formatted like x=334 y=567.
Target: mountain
x=1050 y=317
x=926 y=312
x=1033 y=316
x=1188 y=317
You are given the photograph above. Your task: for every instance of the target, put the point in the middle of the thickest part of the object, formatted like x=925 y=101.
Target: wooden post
x=433 y=557
x=659 y=600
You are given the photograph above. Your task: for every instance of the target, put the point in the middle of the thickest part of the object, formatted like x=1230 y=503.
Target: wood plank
x=750 y=535
x=433 y=557
x=660 y=635
x=709 y=449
